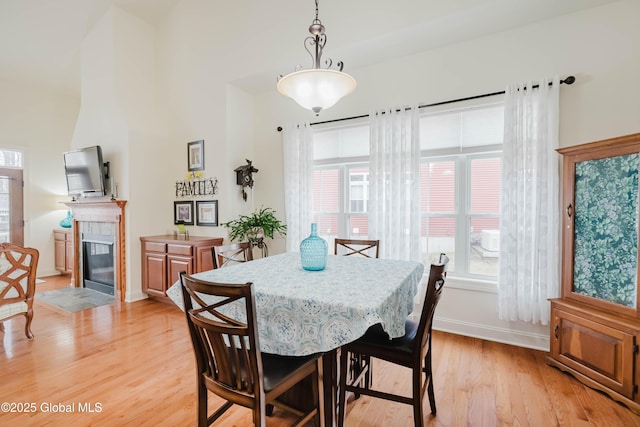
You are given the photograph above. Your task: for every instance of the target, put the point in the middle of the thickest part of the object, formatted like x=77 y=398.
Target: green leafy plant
x=261 y=223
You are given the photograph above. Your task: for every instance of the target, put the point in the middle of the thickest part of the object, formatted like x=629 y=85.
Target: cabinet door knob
x=555 y=331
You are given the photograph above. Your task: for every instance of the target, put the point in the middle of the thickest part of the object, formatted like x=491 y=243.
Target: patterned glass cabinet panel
x=605 y=229
x=600 y=224
x=595 y=324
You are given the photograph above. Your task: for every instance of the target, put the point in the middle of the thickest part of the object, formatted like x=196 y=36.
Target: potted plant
x=255 y=227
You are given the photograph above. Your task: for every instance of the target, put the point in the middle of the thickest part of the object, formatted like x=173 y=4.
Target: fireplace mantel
x=101 y=211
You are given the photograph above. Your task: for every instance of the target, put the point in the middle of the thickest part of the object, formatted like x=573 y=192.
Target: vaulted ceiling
x=40 y=40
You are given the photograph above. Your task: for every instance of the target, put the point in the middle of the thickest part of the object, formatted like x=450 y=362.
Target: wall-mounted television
x=85 y=171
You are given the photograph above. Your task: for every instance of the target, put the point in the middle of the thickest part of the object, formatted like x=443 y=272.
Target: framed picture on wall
x=195 y=156
x=183 y=212
x=207 y=212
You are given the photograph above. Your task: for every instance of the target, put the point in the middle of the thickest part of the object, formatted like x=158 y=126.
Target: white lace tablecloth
x=304 y=312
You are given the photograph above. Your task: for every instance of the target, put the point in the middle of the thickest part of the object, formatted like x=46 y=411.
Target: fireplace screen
x=98 y=263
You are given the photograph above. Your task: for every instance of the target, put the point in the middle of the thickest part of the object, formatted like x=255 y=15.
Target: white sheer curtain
x=394 y=182
x=529 y=225
x=298 y=186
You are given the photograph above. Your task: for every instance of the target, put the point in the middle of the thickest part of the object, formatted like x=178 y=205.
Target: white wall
x=142 y=162
x=198 y=41
x=240 y=148
x=40 y=123
x=120 y=113
x=601 y=47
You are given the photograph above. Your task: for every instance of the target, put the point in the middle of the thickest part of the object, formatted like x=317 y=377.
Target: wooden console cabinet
x=595 y=324
x=164 y=257
x=63 y=241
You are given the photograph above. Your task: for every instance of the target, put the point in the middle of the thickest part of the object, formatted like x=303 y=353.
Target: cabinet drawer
x=155 y=247
x=60 y=236
x=175 y=249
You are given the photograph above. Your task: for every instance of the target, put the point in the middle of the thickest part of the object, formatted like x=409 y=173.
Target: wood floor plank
x=567 y=411
x=503 y=383
x=463 y=373
x=487 y=407
x=537 y=402
x=135 y=360
x=446 y=367
x=515 y=392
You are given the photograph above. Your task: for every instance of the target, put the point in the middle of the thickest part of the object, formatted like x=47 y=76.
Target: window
x=341 y=181
x=484 y=214
x=11 y=158
x=340 y=201
x=460 y=179
x=460 y=206
x=11 y=196
x=438 y=208
x=358 y=189
x=326 y=200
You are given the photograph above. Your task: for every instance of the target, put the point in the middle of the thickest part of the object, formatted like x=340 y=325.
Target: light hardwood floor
x=132 y=364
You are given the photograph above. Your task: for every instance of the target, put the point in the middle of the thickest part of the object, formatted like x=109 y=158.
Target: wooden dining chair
x=233 y=253
x=221 y=318
x=18 y=267
x=348 y=247
x=413 y=351
x=368 y=249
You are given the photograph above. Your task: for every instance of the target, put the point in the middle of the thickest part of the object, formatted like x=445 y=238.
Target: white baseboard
x=493 y=333
x=47 y=273
x=135 y=297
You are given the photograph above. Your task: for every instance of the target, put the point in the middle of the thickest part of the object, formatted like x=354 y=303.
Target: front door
x=11 y=209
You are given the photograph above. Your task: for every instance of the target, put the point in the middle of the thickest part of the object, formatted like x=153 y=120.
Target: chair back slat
x=233 y=253
x=224 y=334
x=17 y=273
x=350 y=247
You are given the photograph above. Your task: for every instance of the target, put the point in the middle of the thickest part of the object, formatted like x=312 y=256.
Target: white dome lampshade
x=317 y=88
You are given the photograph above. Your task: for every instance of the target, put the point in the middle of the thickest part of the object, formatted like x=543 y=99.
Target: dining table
x=302 y=312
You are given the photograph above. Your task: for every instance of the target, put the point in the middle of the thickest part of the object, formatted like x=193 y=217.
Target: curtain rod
x=569 y=81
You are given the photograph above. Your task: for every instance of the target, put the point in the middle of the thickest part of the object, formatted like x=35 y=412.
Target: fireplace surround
x=101 y=225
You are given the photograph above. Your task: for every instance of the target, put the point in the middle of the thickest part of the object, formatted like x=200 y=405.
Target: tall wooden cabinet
x=164 y=257
x=595 y=324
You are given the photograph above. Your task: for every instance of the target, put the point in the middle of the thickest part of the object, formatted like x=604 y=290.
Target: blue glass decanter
x=313 y=251
x=67 y=221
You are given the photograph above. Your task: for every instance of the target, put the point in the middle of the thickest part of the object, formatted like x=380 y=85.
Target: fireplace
x=98 y=262
x=99 y=246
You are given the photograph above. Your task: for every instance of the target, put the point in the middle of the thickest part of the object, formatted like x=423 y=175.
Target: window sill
x=477 y=285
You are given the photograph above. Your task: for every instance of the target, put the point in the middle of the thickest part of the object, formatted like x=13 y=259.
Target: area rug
x=75 y=299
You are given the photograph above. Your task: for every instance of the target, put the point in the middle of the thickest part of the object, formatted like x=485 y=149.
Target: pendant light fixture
x=317 y=88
